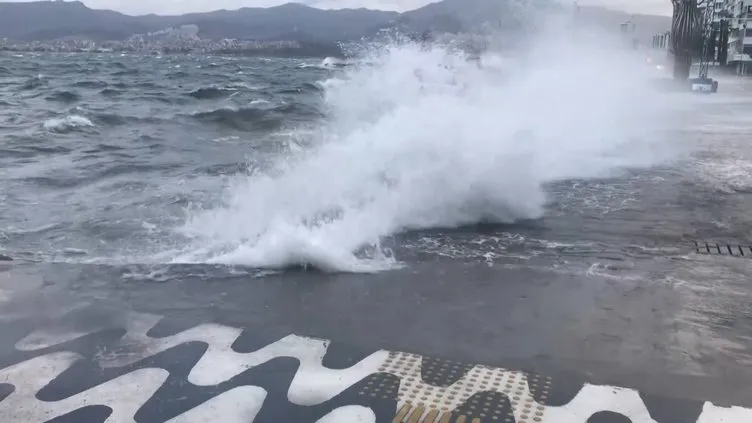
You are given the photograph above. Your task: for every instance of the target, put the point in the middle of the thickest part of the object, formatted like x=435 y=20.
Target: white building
x=718 y=7
x=738 y=13
x=740 y=37
x=738 y=16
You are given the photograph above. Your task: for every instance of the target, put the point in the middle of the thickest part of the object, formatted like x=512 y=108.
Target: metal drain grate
x=723 y=249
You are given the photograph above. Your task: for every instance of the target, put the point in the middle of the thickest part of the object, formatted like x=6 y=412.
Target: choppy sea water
x=412 y=156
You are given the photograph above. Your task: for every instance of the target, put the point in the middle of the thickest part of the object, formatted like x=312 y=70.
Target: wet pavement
x=89 y=342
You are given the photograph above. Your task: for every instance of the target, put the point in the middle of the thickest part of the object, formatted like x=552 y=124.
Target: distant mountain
x=44 y=20
x=456 y=15
x=289 y=21
x=47 y=20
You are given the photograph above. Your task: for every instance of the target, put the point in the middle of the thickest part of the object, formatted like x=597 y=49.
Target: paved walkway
x=71 y=353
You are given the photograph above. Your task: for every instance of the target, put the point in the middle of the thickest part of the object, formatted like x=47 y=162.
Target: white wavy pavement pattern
x=313 y=383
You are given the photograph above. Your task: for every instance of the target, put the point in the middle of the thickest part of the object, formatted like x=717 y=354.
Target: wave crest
x=421 y=137
x=67 y=124
x=255 y=118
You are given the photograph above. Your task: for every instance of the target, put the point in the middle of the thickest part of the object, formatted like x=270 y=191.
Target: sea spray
x=418 y=137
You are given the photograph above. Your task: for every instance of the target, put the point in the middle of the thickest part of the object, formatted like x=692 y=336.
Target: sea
x=563 y=157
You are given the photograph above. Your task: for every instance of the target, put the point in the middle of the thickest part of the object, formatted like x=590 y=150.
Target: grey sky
x=183 y=6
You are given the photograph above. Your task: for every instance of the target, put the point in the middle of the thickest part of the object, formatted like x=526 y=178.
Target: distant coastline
x=224 y=47
x=291 y=29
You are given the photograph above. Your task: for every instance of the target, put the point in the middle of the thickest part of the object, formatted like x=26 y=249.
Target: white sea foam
x=421 y=137
x=67 y=123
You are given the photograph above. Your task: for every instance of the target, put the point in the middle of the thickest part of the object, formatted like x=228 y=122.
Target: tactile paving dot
x=423 y=392
x=487 y=406
x=380 y=385
x=442 y=372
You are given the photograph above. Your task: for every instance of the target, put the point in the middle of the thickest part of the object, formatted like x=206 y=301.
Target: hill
x=45 y=20
x=48 y=20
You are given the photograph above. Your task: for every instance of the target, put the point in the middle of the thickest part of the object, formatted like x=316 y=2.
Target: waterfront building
x=739 y=18
x=728 y=41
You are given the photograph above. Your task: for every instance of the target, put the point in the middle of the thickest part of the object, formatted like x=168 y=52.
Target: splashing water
x=420 y=138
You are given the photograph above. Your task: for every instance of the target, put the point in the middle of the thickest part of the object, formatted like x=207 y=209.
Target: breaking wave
x=67 y=124
x=420 y=137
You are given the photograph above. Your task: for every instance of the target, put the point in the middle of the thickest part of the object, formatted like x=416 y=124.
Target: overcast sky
x=182 y=6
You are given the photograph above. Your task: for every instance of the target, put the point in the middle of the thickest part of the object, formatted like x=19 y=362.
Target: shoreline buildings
x=726 y=28
x=739 y=41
